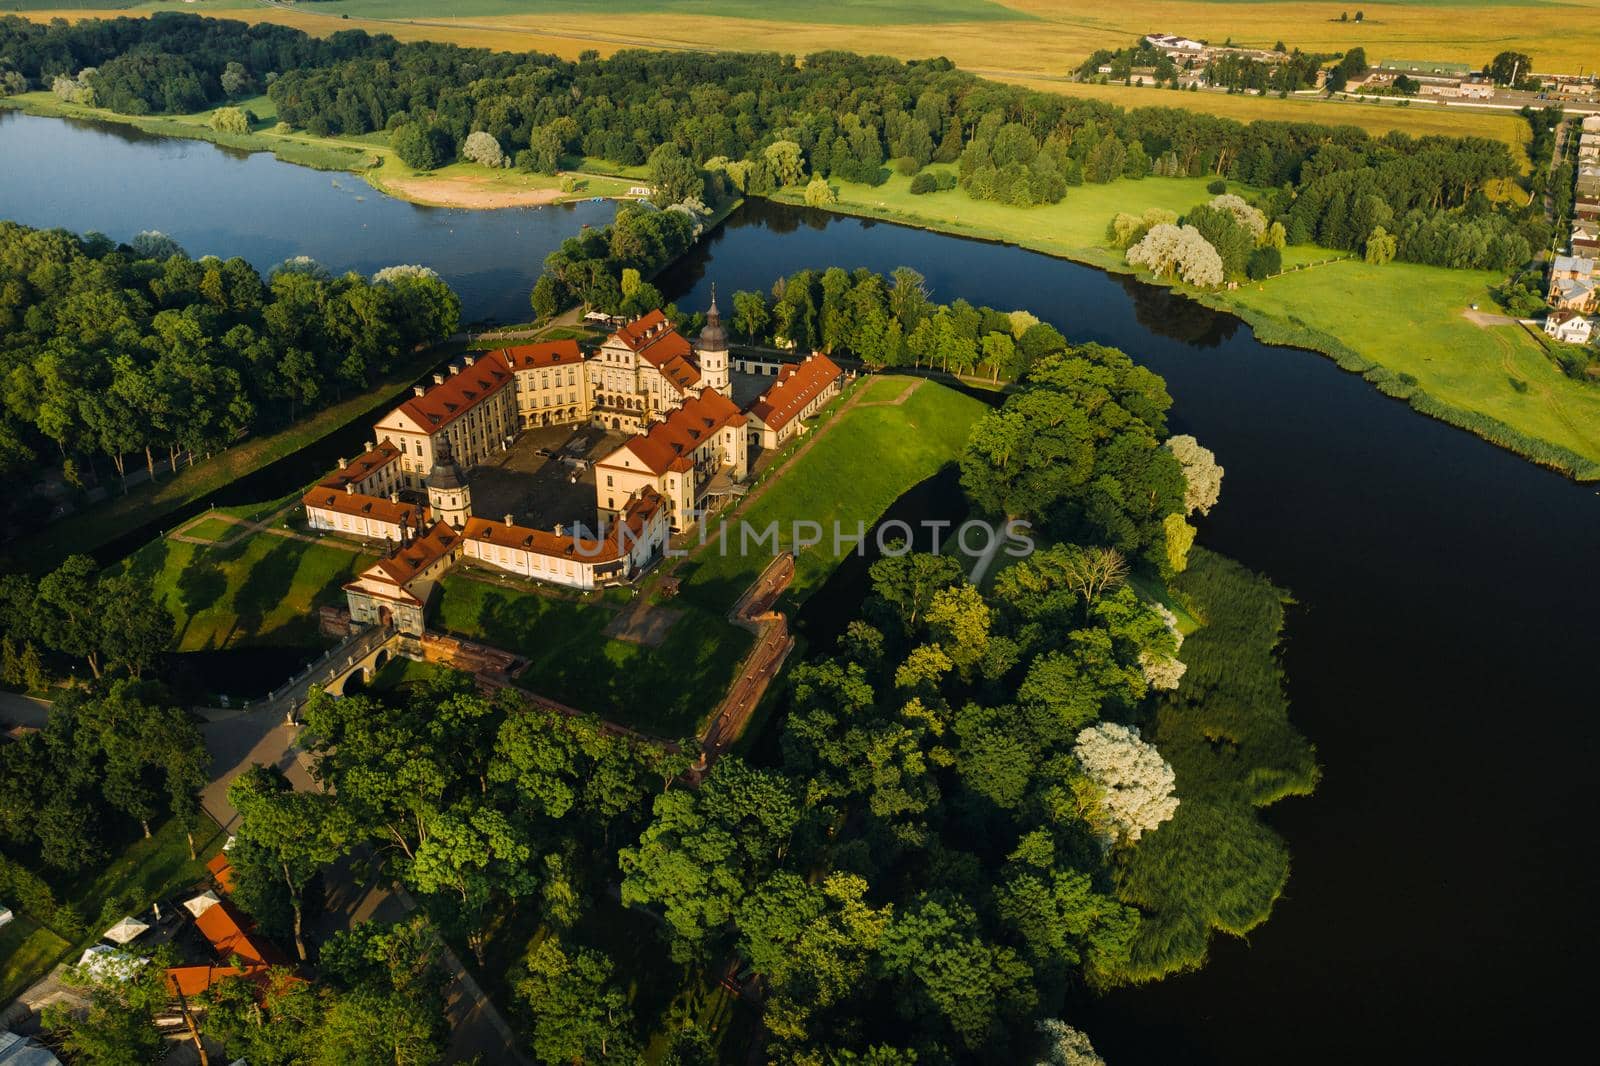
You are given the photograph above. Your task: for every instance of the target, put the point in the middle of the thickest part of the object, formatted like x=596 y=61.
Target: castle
x=690 y=446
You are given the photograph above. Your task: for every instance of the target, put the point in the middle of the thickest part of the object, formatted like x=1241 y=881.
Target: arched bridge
x=364 y=652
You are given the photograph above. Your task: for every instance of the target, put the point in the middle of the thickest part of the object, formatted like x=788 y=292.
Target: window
x=608 y=481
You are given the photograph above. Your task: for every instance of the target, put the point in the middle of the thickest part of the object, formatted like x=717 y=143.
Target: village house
x=1568 y=327
x=696 y=447
x=800 y=391
x=1586 y=238
x=1572 y=283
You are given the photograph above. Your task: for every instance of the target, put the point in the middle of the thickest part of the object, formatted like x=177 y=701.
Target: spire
x=713 y=338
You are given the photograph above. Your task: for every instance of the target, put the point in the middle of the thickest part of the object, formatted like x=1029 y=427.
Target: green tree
x=119 y=1026
x=579 y=1013
x=750 y=314
x=297 y=833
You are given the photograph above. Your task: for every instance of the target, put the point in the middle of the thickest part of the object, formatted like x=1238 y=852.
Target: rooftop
x=670 y=444
x=543 y=354
x=407 y=561
x=360 y=505
x=373 y=459
x=457 y=394
x=635 y=517
x=797 y=385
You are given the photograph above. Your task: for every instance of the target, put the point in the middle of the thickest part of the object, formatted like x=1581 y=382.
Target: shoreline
x=1269 y=330
x=487 y=192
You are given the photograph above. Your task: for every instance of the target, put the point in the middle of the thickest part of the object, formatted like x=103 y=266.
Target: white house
x=1568 y=327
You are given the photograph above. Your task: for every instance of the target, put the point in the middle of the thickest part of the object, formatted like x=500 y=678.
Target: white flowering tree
x=1066 y=1046
x=1169 y=250
x=1136 y=784
x=1202 y=477
x=1248 y=217
x=481 y=147
x=1163 y=670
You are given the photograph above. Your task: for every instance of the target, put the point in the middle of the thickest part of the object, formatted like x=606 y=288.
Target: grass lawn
x=866 y=457
x=1410 y=316
x=1411 y=322
x=666 y=691
x=211 y=529
x=263 y=590
x=27 y=953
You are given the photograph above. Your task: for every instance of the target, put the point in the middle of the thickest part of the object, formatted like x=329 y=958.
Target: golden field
x=1050 y=39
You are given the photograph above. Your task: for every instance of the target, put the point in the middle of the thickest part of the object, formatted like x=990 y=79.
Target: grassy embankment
x=865 y=459
x=149 y=502
x=461 y=184
x=1402 y=325
x=258 y=590
x=146 y=870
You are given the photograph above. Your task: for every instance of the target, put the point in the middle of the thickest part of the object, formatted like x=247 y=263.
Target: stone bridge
x=364 y=652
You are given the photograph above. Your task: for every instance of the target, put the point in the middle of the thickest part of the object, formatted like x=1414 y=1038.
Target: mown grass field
x=666 y=691
x=262 y=590
x=864 y=460
x=982 y=35
x=27 y=952
x=1404 y=317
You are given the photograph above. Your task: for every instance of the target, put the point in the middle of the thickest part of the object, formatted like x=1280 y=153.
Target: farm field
x=980 y=34
x=1411 y=318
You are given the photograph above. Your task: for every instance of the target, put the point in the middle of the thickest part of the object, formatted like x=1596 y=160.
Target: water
x=1440 y=655
x=119 y=181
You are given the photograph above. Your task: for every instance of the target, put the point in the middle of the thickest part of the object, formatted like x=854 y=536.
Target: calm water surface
x=1441 y=654
x=115 y=179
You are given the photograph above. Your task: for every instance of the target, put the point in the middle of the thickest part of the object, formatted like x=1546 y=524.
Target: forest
x=980 y=801
x=760 y=121
x=119 y=351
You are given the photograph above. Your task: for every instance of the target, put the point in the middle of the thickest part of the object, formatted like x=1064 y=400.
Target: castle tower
x=711 y=348
x=449 y=495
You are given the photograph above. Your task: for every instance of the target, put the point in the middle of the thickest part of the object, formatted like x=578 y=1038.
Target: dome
x=713 y=338
x=445 y=473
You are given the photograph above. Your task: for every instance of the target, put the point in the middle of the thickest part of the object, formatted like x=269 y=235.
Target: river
x=1441 y=653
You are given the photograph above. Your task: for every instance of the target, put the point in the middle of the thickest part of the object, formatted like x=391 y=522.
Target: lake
x=1441 y=653
x=118 y=180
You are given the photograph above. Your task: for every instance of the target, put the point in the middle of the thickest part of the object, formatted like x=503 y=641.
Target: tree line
x=836 y=114
x=138 y=351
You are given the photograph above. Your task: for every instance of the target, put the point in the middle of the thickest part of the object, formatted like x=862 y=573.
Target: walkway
x=773 y=645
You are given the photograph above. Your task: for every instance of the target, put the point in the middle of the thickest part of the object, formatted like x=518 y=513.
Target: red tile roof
x=458 y=393
x=221 y=871
x=670 y=445
x=652 y=337
x=635 y=517
x=362 y=468
x=405 y=563
x=543 y=354
x=797 y=385
x=361 y=505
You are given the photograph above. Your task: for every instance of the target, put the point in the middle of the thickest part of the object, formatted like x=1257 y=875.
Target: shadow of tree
x=269 y=581
x=202 y=584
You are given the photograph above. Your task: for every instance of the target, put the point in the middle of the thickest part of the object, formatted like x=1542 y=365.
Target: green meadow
x=864 y=460
x=1406 y=319
x=666 y=691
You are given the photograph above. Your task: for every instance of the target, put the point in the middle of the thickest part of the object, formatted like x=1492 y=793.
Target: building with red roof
x=800 y=392
x=681 y=457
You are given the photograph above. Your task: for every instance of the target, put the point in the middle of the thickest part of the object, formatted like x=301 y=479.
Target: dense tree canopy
x=123 y=350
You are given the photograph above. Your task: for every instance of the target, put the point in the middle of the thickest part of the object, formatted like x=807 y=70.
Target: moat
x=1438 y=658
